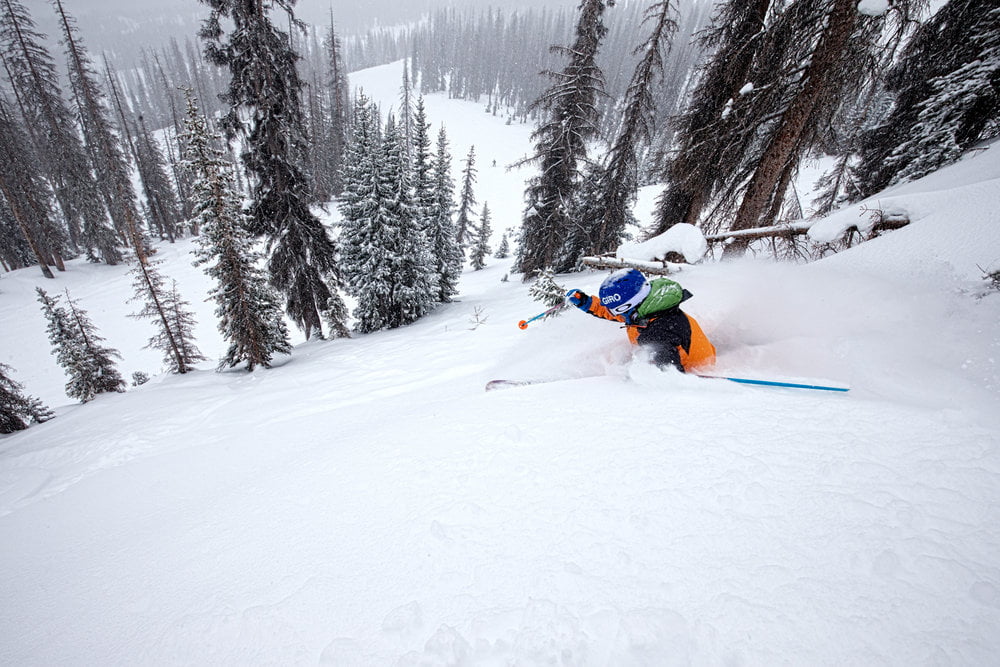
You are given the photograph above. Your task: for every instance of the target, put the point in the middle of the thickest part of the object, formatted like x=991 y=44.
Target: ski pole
x=774 y=383
x=523 y=324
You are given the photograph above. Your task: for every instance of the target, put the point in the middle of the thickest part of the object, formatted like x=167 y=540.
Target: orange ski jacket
x=674 y=337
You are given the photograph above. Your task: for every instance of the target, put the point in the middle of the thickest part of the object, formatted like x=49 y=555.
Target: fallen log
x=798 y=228
x=656 y=267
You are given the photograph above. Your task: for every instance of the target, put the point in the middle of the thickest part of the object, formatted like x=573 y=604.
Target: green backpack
x=664 y=294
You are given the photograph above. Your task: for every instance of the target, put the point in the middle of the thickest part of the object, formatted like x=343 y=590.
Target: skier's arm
x=591 y=305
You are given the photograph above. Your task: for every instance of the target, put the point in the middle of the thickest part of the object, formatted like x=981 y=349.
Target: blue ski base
x=774 y=383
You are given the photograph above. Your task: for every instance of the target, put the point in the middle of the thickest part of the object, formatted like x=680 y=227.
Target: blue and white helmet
x=623 y=291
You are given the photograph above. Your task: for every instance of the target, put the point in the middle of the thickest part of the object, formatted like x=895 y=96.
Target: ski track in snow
x=365 y=502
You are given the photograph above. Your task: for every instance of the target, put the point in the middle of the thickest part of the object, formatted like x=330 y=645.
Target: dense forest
x=716 y=104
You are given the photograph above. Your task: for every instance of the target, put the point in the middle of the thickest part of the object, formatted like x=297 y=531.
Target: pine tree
x=592 y=204
x=97 y=370
x=15 y=252
x=424 y=200
x=422 y=161
x=125 y=201
x=361 y=190
x=339 y=105
x=481 y=247
x=248 y=309
x=709 y=126
x=173 y=322
x=397 y=287
x=445 y=249
x=947 y=96
x=609 y=209
x=24 y=191
x=61 y=156
x=835 y=186
x=103 y=150
x=406 y=113
x=180 y=177
x=17 y=409
x=319 y=157
x=160 y=196
x=79 y=350
x=302 y=263
x=182 y=323
x=467 y=198
x=504 y=248
x=546 y=290
x=840 y=48
x=571 y=116
x=780 y=76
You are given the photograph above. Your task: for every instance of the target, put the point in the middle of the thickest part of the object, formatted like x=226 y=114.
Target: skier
x=652 y=315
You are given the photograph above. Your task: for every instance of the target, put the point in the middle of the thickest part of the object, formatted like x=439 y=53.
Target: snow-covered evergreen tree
x=98 y=372
x=609 y=204
x=182 y=322
x=570 y=108
x=362 y=164
x=339 y=107
x=406 y=112
x=816 y=54
x=24 y=193
x=546 y=289
x=397 y=287
x=778 y=77
x=709 y=124
x=422 y=161
x=445 y=249
x=466 y=199
x=503 y=250
x=173 y=321
x=59 y=151
x=127 y=211
x=15 y=253
x=110 y=169
x=947 y=88
x=481 y=246
x=153 y=172
x=175 y=147
x=17 y=409
x=303 y=258
x=589 y=208
x=249 y=313
x=78 y=348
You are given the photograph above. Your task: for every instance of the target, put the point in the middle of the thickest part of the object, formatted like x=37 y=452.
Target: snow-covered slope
x=367 y=503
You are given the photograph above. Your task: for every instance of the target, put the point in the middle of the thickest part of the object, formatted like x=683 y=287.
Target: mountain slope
x=366 y=502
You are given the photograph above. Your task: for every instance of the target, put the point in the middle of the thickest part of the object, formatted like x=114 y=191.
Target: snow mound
x=873 y=7
x=681 y=238
x=952 y=230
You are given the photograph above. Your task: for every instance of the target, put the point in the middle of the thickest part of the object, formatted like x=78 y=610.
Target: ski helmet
x=623 y=291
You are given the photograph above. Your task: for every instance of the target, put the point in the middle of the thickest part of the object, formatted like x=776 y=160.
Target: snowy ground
x=367 y=503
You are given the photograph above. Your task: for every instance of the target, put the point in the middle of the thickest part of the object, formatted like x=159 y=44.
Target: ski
x=493 y=385
x=775 y=383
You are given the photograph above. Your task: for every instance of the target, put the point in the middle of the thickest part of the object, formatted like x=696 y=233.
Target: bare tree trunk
x=779 y=191
x=794 y=122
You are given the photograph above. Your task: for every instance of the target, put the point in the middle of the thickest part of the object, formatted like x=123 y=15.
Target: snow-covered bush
x=546 y=289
